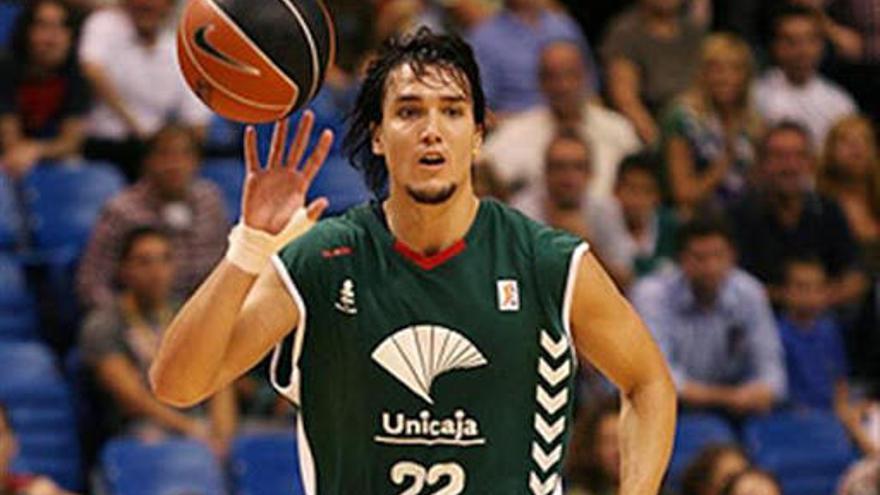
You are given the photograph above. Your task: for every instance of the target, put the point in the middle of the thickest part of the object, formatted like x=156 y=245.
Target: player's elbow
x=172 y=392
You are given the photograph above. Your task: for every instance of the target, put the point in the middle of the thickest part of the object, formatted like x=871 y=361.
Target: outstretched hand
x=272 y=194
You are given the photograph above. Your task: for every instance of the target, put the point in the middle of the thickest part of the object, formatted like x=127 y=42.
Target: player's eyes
x=407 y=112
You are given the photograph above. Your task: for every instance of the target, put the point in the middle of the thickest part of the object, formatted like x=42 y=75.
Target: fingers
x=251 y=159
x=319 y=156
x=279 y=136
x=316 y=209
x=301 y=141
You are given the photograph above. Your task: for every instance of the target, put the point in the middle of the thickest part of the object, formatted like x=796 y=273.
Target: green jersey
x=431 y=375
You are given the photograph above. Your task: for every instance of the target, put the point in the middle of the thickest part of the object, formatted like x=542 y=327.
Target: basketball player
x=433 y=334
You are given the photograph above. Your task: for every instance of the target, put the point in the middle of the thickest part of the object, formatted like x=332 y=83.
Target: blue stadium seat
x=41 y=412
x=11 y=221
x=266 y=464
x=172 y=467
x=228 y=175
x=9 y=11
x=64 y=202
x=694 y=432
x=807 y=450
x=341 y=184
x=18 y=310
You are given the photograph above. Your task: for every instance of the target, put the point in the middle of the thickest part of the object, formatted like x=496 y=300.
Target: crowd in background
x=720 y=157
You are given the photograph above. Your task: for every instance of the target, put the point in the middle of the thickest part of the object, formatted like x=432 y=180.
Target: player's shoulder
x=526 y=234
x=333 y=236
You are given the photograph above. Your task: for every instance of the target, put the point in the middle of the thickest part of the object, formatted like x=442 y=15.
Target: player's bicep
x=608 y=332
x=266 y=317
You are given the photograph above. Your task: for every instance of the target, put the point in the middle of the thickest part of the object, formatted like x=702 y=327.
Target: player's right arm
x=239 y=313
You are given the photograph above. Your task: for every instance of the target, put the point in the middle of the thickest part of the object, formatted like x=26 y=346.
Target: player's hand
x=272 y=194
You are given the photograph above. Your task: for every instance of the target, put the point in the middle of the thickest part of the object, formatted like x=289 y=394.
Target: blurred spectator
x=784 y=218
x=862 y=478
x=850 y=173
x=711 y=131
x=14 y=483
x=794 y=89
x=563 y=201
x=814 y=351
x=169 y=196
x=593 y=461
x=853 y=26
x=752 y=481
x=651 y=228
x=43 y=96
x=119 y=342
x=651 y=53
x=508 y=47
x=131 y=63
x=710 y=470
x=515 y=148
x=714 y=324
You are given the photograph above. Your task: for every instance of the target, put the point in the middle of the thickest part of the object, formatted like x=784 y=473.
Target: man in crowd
x=784 y=218
x=714 y=324
x=516 y=148
x=169 y=196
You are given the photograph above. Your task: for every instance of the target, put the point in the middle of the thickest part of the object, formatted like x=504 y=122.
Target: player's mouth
x=432 y=159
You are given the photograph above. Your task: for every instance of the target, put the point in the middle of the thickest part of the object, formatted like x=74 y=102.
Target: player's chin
x=432 y=193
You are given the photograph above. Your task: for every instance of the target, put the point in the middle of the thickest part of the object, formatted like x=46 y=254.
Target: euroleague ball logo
x=200 y=37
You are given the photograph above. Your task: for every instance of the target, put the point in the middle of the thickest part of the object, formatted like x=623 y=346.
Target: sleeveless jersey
x=430 y=375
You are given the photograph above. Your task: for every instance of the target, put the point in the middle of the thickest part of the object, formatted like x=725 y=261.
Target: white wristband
x=250 y=249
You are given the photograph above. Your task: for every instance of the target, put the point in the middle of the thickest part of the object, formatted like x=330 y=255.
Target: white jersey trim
x=292 y=391
x=570 y=282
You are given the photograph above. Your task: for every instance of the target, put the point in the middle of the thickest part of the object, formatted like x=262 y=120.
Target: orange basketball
x=255 y=60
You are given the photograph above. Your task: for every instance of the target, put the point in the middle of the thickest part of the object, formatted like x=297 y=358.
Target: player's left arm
x=608 y=332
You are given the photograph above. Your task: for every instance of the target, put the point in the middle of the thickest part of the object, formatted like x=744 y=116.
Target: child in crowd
x=814 y=350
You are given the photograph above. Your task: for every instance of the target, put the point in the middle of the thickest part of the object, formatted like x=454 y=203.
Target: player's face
x=706 y=262
x=148 y=271
x=428 y=135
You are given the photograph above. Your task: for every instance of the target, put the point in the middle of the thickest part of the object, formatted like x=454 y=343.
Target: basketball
x=255 y=61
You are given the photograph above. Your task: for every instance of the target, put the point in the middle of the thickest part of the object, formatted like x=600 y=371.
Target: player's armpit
x=267 y=316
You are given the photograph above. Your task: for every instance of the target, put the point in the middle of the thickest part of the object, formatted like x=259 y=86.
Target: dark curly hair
x=422 y=50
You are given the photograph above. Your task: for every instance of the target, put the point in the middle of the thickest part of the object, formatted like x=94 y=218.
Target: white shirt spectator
x=147 y=77
x=817 y=105
x=603 y=218
x=516 y=149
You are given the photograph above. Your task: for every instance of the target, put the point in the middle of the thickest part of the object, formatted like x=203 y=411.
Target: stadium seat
x=9 y=11
x=41 y=413
x=64 y=202
x=11 y=221
x=266 y=464
x=694 y=432
x=228 y=175
x=18 y=310
x=807 y=450
x=177 y=466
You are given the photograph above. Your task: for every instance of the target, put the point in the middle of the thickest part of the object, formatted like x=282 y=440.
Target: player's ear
x=376 y=140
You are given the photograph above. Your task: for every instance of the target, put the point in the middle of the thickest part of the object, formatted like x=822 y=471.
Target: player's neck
x=429 y=229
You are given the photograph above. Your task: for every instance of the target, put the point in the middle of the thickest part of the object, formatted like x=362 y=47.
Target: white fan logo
x=417 y=355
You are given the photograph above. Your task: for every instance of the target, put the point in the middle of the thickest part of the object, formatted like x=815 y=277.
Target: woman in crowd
x=43 y=97
x=711 y=468
x=594 y=460
x=711 y=130
x=850 y=173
